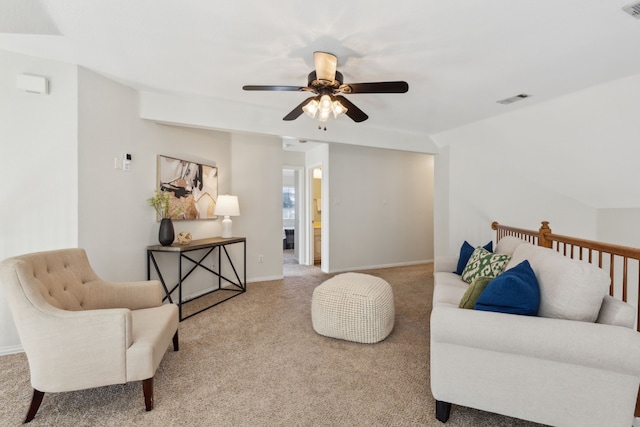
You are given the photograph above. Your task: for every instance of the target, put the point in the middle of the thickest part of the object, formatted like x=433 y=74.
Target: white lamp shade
x=227 y=206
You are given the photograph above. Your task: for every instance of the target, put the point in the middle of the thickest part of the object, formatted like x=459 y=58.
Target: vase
x=166 y=233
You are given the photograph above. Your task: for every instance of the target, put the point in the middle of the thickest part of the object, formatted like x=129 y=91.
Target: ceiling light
x=311 y=108
x=322 y=107
x=513 y=99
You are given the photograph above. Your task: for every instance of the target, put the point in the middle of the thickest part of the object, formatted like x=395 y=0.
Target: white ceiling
x=458 y=56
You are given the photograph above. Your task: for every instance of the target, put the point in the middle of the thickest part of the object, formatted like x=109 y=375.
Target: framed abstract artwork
x=193 y=187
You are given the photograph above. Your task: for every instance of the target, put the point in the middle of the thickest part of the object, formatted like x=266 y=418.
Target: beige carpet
x=256 y=361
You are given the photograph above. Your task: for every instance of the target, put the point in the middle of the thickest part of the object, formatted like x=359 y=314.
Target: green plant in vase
x=161 y=202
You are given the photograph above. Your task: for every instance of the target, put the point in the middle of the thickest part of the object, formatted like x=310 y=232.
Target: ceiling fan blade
x=326 y=65
x=377 y=87
x=296 y=112
x=356 y=114
x=272 y=87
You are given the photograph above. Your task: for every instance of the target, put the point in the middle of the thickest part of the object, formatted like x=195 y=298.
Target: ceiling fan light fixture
x=325 y=104
x=324 y=115
x=338 y=109
x=311 y=108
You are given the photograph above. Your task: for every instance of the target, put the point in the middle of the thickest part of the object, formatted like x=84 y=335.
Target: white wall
x=619 y=226
x=380 y=207
x=256 y=167
x=116 y=222
x=482 y=188
x=559 y=161
x=38 y=146
x=90 y=204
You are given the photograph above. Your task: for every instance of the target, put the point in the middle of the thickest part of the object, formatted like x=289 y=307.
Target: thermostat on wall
x=126 y=162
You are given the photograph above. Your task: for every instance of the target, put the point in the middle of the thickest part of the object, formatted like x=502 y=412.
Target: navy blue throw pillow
x=515 y=291
x=465 y=253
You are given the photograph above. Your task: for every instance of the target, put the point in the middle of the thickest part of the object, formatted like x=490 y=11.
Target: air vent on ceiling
x=513 y=99
x=633 y=9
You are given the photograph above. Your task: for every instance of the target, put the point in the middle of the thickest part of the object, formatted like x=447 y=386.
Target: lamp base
x=226 y=227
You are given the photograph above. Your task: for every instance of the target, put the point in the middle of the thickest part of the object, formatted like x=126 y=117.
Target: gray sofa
x=550 y=368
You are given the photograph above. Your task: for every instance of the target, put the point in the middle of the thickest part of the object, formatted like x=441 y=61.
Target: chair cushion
x=515 y=291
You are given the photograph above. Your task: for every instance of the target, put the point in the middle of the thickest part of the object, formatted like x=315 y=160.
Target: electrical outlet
x=260 y=258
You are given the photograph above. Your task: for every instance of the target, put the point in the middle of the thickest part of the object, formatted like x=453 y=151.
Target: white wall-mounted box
x=34 y=84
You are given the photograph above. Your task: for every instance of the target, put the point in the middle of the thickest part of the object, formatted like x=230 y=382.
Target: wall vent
x=513 y=99
x=633 y=9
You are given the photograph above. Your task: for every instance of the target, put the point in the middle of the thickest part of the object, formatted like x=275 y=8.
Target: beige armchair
x=79 y=331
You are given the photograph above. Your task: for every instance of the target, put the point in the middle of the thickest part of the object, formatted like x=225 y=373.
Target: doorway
x=292 y=214
x=316 y=213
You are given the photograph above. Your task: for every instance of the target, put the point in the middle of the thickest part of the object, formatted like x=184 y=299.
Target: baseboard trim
x=11 y=349
x=264 y=279
x=375 y=267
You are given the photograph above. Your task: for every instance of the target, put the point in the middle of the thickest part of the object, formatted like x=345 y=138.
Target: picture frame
x=193 y=187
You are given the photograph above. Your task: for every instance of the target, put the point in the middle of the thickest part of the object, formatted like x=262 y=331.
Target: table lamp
x=227 y=206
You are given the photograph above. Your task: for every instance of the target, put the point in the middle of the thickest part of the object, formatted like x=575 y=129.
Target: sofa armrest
x=87 y=347
x=445 y=263
x=131 y=295
x=616 y=312
x=607 y=347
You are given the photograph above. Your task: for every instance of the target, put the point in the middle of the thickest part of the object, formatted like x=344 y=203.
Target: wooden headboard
x=622 y=262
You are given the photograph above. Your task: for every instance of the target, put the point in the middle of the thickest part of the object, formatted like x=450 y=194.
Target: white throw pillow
x=508 y=244
x=569 y=289
x=531 y=253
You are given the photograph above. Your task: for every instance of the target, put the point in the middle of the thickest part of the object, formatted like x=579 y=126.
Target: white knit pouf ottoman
x=354 y=307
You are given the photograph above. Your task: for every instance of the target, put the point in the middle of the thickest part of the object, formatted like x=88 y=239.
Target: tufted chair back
x=57 y=278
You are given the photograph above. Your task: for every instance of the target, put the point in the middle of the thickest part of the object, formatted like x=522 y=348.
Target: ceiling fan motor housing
x=316 y=84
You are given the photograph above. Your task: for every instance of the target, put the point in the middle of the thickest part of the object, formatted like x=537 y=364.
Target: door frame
x=300 y=238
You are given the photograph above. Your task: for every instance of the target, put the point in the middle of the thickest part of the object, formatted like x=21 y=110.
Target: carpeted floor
x=256 y=361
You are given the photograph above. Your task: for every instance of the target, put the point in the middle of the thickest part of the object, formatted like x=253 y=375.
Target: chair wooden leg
x=36 y=400
x=147 y=390
x=176 y=345
x=443 y=410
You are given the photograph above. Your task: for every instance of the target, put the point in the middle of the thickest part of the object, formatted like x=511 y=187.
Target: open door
x=293 y=195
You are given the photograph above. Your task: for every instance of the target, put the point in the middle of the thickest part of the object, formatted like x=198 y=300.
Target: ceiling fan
x=327 y=85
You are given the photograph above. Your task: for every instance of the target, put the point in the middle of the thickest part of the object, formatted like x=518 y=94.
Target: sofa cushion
x=466 y=250
x=484 y=263
x=508 y=244
x=474 y=290
x=532 y=253
x=515 y=291
x=569 y=289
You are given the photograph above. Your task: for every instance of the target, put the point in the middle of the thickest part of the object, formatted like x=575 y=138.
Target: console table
x=234 y=287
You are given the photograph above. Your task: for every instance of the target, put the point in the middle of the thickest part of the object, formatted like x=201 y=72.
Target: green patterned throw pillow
x=484 y=263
